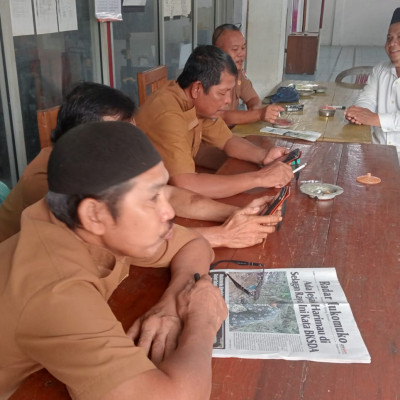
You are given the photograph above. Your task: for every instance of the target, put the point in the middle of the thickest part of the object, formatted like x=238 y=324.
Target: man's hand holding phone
x=278 y=201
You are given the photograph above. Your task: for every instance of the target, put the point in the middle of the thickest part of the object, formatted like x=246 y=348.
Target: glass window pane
x=205 y=25
x=135 y=41
x=47 y=65
x=178 y=41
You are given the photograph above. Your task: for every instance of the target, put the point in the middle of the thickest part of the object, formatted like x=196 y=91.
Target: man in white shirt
x=378 y=104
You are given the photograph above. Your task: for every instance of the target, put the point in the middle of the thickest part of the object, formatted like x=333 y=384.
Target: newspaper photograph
x=293 y=314
x=310 y=136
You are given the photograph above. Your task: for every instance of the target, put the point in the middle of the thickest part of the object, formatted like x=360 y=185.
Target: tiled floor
x=334 y=59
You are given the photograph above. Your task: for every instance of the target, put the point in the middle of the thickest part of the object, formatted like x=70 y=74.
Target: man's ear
x=195 y=89
x=92 y=215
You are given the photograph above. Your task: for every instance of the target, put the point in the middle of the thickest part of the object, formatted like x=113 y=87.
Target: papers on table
x=292 y=314
x=310 y=136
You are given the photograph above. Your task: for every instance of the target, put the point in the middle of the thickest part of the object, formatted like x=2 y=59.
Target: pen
x=298 y=169
x=339 y=107
x=196 y=276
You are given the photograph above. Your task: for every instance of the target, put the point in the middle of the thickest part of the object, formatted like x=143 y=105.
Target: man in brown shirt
x=181 y=115
x=229 y=39
x=106 y=209
x=88 y=102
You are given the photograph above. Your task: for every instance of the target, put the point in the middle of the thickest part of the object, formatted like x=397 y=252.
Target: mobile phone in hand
x=292 y=156
x=277 y=201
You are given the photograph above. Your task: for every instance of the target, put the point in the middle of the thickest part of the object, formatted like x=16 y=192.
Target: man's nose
x=167 y=212
x=228 y=98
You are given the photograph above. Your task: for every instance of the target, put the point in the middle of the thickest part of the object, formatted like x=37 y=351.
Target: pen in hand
x=196 y=276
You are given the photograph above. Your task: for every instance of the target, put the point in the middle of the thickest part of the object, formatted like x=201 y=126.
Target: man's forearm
x=214 y=235
x=195 y=257
x=188 y=204
x=242 y=149
x=216 y=186
x=234 y=117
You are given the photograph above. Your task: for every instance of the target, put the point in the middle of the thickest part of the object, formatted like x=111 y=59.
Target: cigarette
x=299 y=168
x=339 y=107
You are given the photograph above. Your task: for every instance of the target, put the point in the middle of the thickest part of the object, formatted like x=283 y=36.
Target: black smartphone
x=293 y=155
x=277 y=201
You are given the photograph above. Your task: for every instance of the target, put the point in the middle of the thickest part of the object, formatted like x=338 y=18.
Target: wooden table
x=333 y=129
x=357 y=233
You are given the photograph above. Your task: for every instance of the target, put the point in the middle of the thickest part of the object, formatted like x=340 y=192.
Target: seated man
x=182 y=114
x=378 y=104
x=90 y=101
x=229 y=39
x=105 y=209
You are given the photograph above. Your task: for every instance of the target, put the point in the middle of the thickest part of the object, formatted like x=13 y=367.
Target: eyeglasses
x=252 y=292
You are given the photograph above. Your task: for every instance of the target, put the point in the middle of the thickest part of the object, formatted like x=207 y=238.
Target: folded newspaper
x=311 y=136
x=293 y=314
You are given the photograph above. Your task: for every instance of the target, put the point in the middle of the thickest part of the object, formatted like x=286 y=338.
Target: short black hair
x=221 y=29
x=90 y=102
x=65 y=206
x=205 y=64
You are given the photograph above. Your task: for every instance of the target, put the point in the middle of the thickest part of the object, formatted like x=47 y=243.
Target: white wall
x=357 y=22
x=266 y=26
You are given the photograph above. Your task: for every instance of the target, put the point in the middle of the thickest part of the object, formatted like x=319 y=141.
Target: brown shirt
x=169 y=119
x=53 y=305
x=243 y=90
x=31 y=187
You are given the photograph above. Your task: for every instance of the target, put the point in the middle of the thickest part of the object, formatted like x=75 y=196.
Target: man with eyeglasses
x=230 y=39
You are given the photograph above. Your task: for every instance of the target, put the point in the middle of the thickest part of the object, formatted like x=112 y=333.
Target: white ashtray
x=320 y=190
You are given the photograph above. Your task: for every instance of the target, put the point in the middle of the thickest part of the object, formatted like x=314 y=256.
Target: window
x=47 y=66
x=135 y=41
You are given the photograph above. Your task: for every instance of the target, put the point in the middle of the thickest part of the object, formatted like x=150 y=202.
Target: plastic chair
x=47 y=122
x=151 y=79
x=356 y=77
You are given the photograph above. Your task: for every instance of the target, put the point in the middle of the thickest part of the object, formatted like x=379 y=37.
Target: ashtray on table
x=283 y=123
x=327 y=111
x=320 y=190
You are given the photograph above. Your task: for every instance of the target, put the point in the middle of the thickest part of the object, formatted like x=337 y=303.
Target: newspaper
x=311 y=136
x=293 y=314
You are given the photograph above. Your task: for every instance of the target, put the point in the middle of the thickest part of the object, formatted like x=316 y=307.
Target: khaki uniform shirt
x=29 y=189
x=243 y=90
x=53 y=305
x=169 y=119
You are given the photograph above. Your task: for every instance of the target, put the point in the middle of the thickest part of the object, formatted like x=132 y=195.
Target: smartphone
x=277 y=201
x=293 y=155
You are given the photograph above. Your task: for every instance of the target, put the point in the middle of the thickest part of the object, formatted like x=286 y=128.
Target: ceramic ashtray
x=320 y=190
x=327 y=111
x=283 y=123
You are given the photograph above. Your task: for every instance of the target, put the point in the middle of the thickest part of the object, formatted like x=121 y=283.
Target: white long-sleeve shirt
x=382 y=95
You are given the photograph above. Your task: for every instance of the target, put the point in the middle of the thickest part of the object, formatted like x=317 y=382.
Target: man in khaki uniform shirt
x=179 y=116
x=89 y=102
x=229 y=39
x=30 y=188
x=106 y=208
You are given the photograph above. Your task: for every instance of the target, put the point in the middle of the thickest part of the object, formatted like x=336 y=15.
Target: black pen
x=196 y=276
